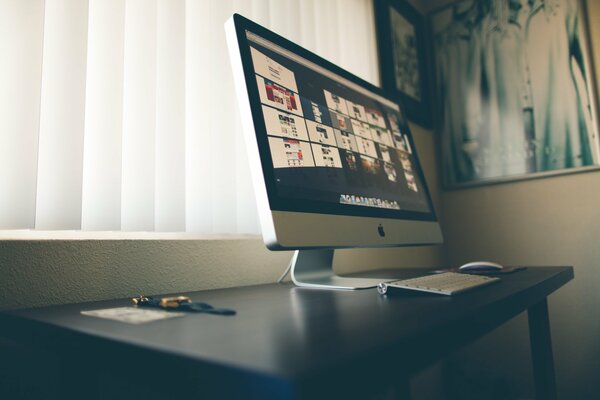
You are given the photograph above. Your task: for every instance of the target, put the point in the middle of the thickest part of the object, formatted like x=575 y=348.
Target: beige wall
x=551 y=221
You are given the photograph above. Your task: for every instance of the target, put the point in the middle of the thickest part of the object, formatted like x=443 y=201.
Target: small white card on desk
x=132 y=315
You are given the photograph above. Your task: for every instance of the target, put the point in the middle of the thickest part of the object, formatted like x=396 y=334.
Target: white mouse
x=481 y=266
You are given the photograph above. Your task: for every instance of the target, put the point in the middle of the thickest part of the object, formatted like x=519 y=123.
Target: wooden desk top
x=284 y=340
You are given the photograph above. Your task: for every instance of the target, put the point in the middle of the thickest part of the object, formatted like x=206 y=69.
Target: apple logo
x=380 y=230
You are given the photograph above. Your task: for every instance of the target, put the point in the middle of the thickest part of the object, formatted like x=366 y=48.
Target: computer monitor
x=331 y=156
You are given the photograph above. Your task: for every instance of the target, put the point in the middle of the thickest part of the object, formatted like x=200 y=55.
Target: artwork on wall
x=514 y=90
x=402 y=43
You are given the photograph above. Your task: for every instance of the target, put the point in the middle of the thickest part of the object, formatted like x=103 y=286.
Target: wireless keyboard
x=448 y=283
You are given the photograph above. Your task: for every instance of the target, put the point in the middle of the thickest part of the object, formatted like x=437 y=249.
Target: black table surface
x=285 y=340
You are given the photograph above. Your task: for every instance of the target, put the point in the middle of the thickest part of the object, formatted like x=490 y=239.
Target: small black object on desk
x=285 y=342
x=180 y=303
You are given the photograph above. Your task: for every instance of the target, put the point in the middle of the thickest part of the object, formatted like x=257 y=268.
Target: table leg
x=541 y=351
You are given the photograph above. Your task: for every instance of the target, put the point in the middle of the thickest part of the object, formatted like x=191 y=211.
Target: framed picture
x=402 y=59
x=515 y=96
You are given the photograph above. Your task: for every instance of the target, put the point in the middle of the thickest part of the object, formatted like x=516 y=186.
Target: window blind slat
x=353 y=42
x=197 y=112
x=21 y=39
x=170 y=117
x=223 y=188
x=247 y=217
x=101 y=197
x=139 y=116
x=60 y=161
x=307 y=25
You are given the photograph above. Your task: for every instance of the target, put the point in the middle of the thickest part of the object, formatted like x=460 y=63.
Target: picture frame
x=515 y=91
x=402 y=47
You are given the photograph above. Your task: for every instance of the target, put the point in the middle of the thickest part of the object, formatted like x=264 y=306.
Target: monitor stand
x=314 y=269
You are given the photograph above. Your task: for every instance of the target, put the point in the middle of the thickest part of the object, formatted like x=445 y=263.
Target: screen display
x=331 y=141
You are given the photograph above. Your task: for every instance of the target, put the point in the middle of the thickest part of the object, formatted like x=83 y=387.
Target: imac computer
x=331 y=156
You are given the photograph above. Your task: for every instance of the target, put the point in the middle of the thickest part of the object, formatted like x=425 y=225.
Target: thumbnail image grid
x=297 y=141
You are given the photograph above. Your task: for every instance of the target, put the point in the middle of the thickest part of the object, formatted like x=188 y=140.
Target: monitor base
x=314 y=269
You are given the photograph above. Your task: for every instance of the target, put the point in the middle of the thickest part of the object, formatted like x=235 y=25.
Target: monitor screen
x=333 y=145
x=329 y=143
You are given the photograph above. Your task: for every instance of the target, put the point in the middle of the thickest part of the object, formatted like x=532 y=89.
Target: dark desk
x=285 y=342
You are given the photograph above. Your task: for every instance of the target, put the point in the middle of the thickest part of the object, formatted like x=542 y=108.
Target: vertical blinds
x=120 y=115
